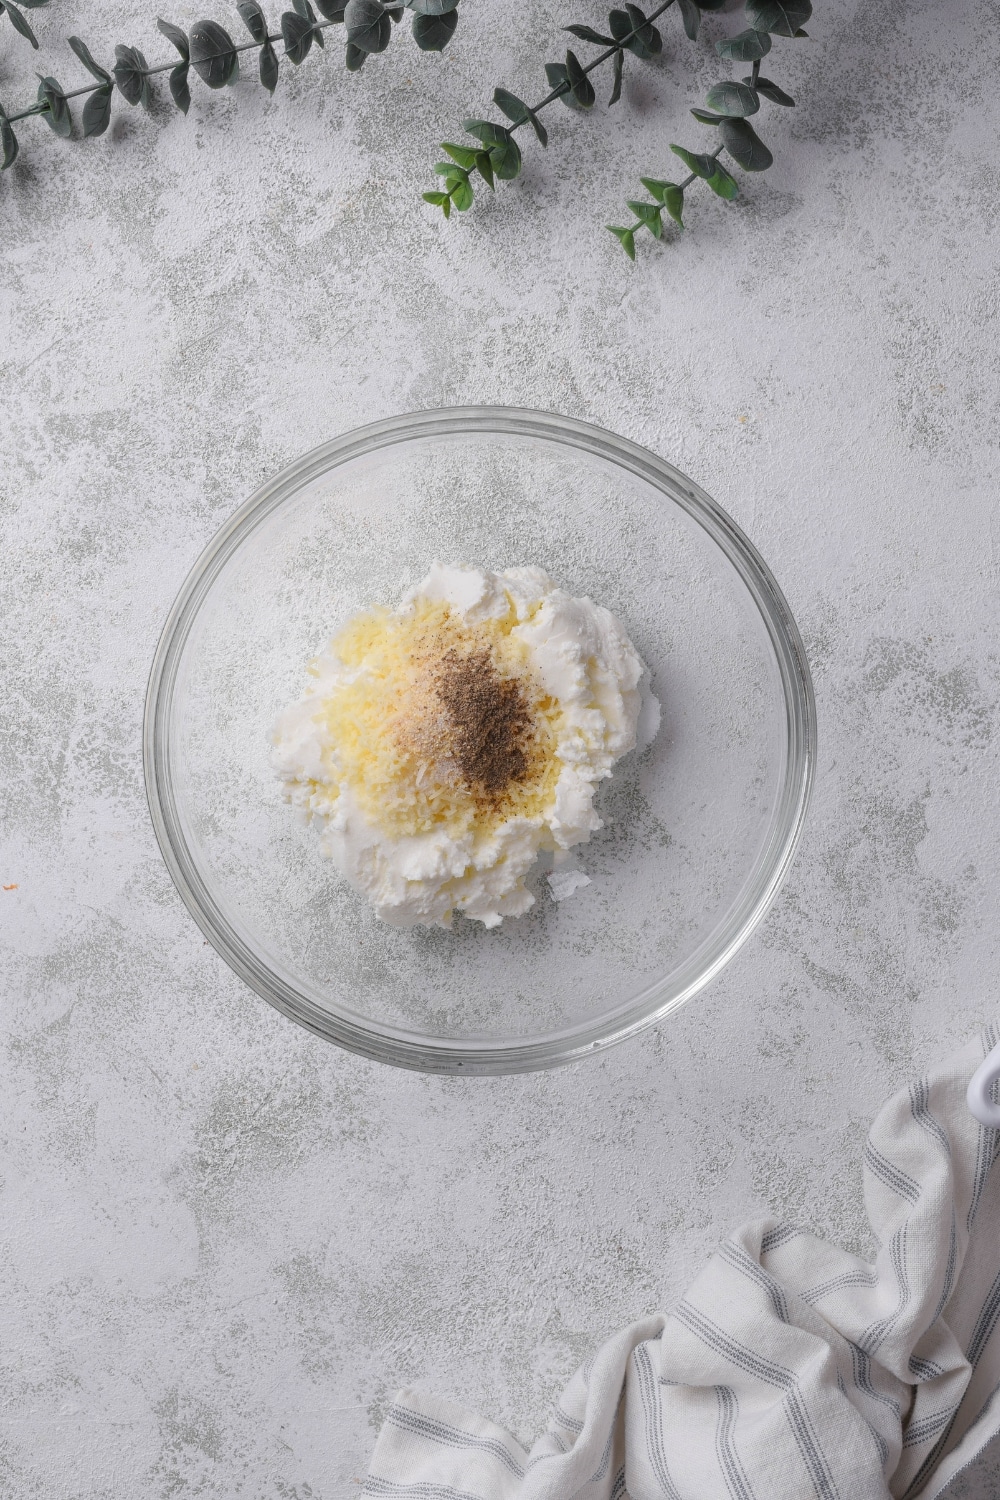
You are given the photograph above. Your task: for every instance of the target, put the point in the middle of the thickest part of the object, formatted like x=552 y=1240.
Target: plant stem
x=43 y=108
x=596 y=63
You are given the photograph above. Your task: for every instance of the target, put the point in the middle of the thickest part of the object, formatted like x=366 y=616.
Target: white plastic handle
x=980 y=1091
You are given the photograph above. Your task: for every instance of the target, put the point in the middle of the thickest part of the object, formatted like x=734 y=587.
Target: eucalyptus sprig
x=497 y=155
x=729 y=105
x=209 y=49
x=19 y=21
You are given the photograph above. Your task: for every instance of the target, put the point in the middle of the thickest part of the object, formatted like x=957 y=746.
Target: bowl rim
x=473 y=1056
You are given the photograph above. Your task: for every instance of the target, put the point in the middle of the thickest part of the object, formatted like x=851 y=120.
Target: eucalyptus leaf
x=368 y=25
x=732 y=98
x=354 y=57
x=464 y=156
x=213 y=54
x=691 y=16
x=655 y=188
x=461 y=194
x=771 y=91
x=253 y=19
x=673 y=202
x=305 y=10
x=622 y=29
x=485 y=167
x=558 y=77
x=747 y=46
x=130 y=75
x=180 y=91
x=176 y=35
x=782 y=17
x=505 y=155
x=616 y=90
x=432 y=7
x=583 y=89
x=57 y=115
x=588 y=34
x=330 y=10
x=20 y=23
x=701 y=166
x=268 y=67
x=745 y=146
x=83 y=53
x=647 y=32
x=515 y=109
x=625 y=237
x=97 y=110
x=440 y=200
x=706 y=117
x=723 y=183
x=8 y=143
x=297 y=35
x=649 y=215
x=433 y=33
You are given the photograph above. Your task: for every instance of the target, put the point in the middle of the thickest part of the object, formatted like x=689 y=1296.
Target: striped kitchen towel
x=791 y=1369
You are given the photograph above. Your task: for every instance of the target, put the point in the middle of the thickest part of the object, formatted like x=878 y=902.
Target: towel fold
x=790 y=1369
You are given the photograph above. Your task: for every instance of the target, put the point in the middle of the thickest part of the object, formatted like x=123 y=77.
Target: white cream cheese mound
x=442 y=745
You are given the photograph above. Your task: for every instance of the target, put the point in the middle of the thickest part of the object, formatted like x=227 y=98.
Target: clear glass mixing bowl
x=699 y=829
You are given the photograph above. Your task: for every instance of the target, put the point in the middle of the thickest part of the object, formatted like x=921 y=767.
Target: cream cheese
x=580 y=658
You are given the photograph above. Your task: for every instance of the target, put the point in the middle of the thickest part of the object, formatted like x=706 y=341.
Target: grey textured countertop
x=227 y=1243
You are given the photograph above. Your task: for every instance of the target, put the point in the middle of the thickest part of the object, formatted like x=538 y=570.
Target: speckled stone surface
x=226 y=1243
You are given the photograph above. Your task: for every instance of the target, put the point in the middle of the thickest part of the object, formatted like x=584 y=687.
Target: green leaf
x=485 y=167
x=655 y=188
x=331 y=10
x=515 y=109
x=722 y=183
x=8 y=143
x=268 y=68
x=461 y=194
x=83 y=53
x=558 y=76
x=368 y=25
x=180 y=91
x=588 y=34
x=748 y=46
x=648 y=34
x=621 y=28
x=176 y=35
x=305 y=10
x=213 y=54
x=583 y=89
x=625 y=237
x=433 y=33
x=616 y=90
x=432 y=7
x=771 y=91
x=731 y=98
x=801 y=32
x=465 y=156
x=130 y=75
x=691 y=16
x=57 y=114
x=706 y=117
x=20 y=23
x=354 y=57
x=505 y=155
x=648 y=214
x=745 y=146
x=701 y=166
x=297 y=35
x=440 y=200
x=673 y=202
x=97 y=111
x=782 y=17
x=254 y=19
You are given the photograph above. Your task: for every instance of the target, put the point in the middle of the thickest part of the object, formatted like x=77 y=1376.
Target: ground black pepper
x=490 y=718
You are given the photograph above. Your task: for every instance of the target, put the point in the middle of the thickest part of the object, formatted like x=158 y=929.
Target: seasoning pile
x=442 y=745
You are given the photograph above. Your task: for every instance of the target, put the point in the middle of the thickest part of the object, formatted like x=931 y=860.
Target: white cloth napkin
x=791 y=1369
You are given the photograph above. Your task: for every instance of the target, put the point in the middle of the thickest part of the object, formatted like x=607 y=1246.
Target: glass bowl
x=699 y=828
